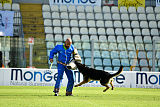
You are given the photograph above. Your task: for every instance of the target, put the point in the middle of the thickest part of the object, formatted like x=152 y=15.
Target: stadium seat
x=140 y=46
x=133 y=17
x=86 y=45
x=7 y=6
x=81 y=16
x=113 y=46
x=124 y=17
x=130 y=46
x=120 y=39
x=101 y=31
x=131 y=10
x=64 y=15
x=126 y=24
x=46 y=15
x=97 y=54
x=96 y=46
x=105 y=54
x=99 y=67
x=80 y=53
x=127 y=31
x=129 y=39
x=57 y=30
x=145 y=32
x=110 y=31
x=98 y=16
x=125 y=62
x=75 y=30
x=99 y=23
x=73 y=16
x=108 y=68
x=157 y=10
x=148 y=47
x=122 y=46
x=119 y=31
x=76 y=38
x=152 y=24
x=49 y=37
x=140 y=10
x=83 y=31
x=136 y=32
x=74 y=23
x=147 y=39
x=56 y=23
x=82 y=23
x=138 y=39
x=91 y=23
x=78 y=45
x=102 y=38
x=154 y=32
x=50 y=45
x=15 y=7
x=114 y=9
x=141 y=54
x=108 y=24
x=123 y=54
x=134 y=62
x=107 y=16
x=103 y=46
x=48 y=30
x=87 y=53
x=65 y=23
x=58 y=38
x=71 y=8
x=158 y=55
x=47 y=22
x=116 y=16
x=149 y=10
x=89 y=9
x=63 y=8
x=143 y=24
x=115 y=62
x=85 y=38
x=111 y=39
x=55 y=15
x=123 y=9
x=97 y=9
x=144 y=69
x=151 y=17
x=142 y=17
x=92 y=31
x=106 y=9
x=117 y=24
x=143 y=63
x=88 y=61
x=80 y=9
x=66 y=30
x=114 y=54
x=135 y=24
x=106 y=62
x=54 y=8
x=45 y=8
x=149 y=54
x=90 y=16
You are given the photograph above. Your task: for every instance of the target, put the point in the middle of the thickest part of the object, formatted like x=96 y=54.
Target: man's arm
x=52 y=52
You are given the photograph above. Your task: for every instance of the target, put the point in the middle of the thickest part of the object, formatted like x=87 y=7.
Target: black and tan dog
x=98 y=75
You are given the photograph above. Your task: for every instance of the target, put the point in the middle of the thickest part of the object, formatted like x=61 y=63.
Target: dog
x=98 y=75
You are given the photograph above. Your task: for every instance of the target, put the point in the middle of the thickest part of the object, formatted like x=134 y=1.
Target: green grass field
x=32 y=96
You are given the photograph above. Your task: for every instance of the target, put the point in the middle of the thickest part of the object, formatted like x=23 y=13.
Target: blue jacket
x=64 y=55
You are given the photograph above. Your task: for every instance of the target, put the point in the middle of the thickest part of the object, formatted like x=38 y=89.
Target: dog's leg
x=111 y=82
x=107 y=87
x=81 y=83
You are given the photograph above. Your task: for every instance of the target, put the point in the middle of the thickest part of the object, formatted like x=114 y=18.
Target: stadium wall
x=47 y=77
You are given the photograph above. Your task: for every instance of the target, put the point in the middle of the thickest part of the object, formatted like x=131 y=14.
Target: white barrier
x=47 y=77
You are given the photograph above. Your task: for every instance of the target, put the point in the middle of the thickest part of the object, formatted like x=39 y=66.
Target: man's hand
x=51 y=60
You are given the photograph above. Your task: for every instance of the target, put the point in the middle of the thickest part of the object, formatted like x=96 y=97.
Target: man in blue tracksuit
x=65 y=52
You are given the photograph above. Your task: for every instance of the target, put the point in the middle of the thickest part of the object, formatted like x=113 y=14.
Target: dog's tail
x=117 y=73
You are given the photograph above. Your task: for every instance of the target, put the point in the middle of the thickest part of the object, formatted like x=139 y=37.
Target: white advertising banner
x=157 y=2
x=47 y=77
x=76 y=2
x=6 y=23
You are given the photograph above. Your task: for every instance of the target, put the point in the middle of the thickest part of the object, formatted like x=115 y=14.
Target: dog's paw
x=76 y=86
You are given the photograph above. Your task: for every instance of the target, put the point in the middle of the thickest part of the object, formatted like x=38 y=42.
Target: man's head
x=68 y=42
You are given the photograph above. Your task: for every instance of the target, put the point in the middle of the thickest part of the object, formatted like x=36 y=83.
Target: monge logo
x=75 y=1
x=17 y=74
x=144 y=78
